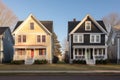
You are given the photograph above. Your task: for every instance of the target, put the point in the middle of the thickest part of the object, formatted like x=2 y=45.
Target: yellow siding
x=31 y=38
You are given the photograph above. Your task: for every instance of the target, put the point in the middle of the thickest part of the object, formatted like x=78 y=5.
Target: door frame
x=89 y=54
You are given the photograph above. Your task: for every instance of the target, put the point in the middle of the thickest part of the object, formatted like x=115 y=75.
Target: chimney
x=74 y=19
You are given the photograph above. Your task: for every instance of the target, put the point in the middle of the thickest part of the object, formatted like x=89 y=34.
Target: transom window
x=31 y=26
x=95 y=38
x=78 y=38
x=87 y=25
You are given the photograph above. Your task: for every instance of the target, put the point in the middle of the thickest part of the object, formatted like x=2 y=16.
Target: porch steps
x=90 y=62
x=29 y=61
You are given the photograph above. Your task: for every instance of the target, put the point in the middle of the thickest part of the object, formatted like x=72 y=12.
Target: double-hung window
x=38 y=38
x=87 y=25
x=21 y=38
x=78 y=38
x=95 y=38
x=31 y=26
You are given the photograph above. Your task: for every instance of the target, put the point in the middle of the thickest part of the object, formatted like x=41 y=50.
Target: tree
x=111 y=21
x=57 y=46
x=65 y=47
x=7 y=17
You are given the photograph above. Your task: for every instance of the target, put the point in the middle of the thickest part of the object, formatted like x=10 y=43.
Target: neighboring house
x=33 y=40
x=87 y=40
x=6 y=45
x=114 y=45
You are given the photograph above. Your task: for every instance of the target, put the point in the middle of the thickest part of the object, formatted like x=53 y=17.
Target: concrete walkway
x=59 y=72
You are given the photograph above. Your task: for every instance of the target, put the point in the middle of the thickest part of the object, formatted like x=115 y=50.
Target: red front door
x=32 y=53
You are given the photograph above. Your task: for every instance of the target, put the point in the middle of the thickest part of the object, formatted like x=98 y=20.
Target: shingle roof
x=102 y=24
x=47 y=24
x=73 y=24
x=2 y=30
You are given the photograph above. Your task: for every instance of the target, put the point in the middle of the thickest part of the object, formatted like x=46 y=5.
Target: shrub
x=55 y=59
x=79 y=61
x=40 y=62
x=17 y=62
x=101 y=61
x=66 y=59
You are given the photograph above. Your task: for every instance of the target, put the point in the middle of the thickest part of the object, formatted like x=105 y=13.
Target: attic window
x=87 y=25
x=31 y=26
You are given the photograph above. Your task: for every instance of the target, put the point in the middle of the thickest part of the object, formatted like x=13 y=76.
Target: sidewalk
x=59 y=72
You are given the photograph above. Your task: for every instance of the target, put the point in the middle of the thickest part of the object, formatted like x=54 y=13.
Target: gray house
x=87 y=40
x=114 y=45
x=6 y=45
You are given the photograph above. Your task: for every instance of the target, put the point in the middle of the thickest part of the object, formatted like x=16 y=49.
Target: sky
x=62 y=11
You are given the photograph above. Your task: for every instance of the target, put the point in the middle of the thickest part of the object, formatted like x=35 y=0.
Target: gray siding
x=94 y=28
x=7 y=46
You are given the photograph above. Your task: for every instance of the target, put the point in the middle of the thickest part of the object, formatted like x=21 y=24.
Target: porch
x=29 y=54
x=89 y=54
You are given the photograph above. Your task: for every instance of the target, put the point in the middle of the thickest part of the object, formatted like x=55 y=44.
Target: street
x=61 y=77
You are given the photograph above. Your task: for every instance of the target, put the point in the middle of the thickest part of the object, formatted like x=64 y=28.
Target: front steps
x=90 y=62
x=29 y=61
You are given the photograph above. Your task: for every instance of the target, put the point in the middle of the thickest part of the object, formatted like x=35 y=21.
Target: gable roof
x=3 y=29
x=46 y=25
x=74 y=25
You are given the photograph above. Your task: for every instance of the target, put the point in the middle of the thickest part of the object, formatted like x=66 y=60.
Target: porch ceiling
x=29 y=46
x=90 y=46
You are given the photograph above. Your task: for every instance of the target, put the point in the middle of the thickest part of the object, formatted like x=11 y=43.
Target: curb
x=59 y=72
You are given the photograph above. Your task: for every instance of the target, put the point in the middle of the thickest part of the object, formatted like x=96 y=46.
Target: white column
x=93 y=53
x=106 y=53
x=118 y=51
x=73 y=53
x=16 y=55
x=86 y=53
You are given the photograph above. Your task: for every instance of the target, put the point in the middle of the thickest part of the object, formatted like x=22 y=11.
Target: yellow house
x=33 y=40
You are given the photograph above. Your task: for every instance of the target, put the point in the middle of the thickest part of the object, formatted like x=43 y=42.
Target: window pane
x=80 y=52
x=87 y=25
x=80 y=38
x=92 y=38
x=24 y=38
x=42 y=51
x=75 y=38
x=19 y=38
x=31 y=26
x=75 y=51
x=43 y=38
x=97 y=38
x=38 y=38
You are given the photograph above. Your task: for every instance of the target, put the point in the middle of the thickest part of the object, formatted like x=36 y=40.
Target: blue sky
x=62 y=11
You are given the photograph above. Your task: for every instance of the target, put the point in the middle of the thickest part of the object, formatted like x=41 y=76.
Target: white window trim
x=78 y=38
x=86 y=22
x=95 y=38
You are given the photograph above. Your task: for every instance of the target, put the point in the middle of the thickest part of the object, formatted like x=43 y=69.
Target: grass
x=76 y=67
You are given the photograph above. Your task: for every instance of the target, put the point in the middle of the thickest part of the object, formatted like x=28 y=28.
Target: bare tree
x=65 y=45
x=111 y=20
x=7 y=17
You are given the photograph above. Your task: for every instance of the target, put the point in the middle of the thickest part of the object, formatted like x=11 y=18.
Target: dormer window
x=87 y=25
x=31 y=26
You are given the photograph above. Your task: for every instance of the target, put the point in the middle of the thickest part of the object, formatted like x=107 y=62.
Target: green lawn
x=59 y=67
